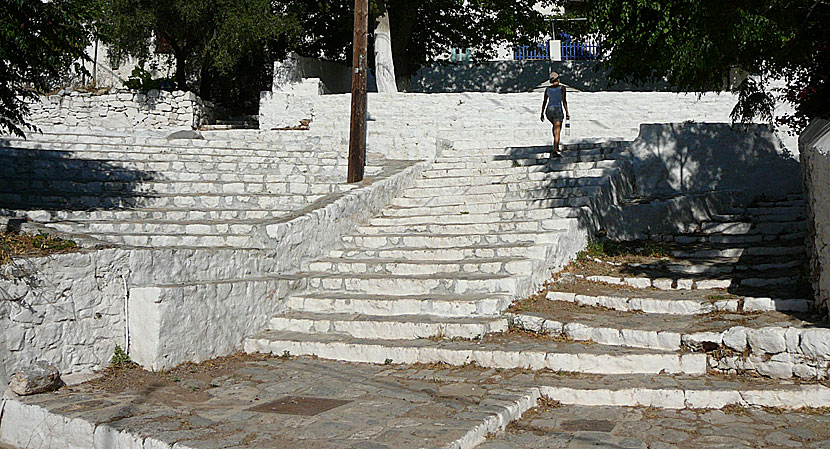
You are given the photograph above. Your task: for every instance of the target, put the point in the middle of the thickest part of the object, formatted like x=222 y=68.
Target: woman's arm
x=544 y=104
x=565 y=103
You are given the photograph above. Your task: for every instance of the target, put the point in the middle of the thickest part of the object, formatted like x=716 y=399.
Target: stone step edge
x=684 y=307
x=389 y=327
x=670 y=284
x=804 y=396
x=771 y=351
x=656 y=363
x=21 y=421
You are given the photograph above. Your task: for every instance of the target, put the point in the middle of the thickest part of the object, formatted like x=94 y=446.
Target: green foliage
x=120 y=359
x=41 y=42
x=698 y=45
x=141 y=79
x=207 y=38
x=421 y=31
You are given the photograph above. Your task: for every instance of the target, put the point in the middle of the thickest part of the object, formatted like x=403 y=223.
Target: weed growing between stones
x=603 y=248
x=120 y=360
x=13 y=245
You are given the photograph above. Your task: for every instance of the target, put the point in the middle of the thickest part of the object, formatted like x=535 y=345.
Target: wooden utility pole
x=357 y=132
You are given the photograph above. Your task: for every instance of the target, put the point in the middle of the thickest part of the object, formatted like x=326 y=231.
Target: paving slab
x=230 y=403
x=640 y=427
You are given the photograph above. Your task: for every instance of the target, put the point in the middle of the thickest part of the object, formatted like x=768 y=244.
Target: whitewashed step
x=539 y=179
x=462 y=209
x=695 y=302
x=494 y=172
x=682 y=392
x=499 y=188
x=469 y=253
x=538 y=194
x=561 y=215
x=468 y=228
x=446 y=283
x=377 y=241
x=400 y=327
x=739 y=252
x=535 y=355
x=400 y=303
x=402 y=267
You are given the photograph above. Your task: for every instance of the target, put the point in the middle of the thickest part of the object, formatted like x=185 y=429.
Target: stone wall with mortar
x=124 y=109
x=814 y=146
x=66 y=309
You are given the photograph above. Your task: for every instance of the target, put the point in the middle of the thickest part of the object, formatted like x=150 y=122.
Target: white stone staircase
x=428 y=279
x=139 y=191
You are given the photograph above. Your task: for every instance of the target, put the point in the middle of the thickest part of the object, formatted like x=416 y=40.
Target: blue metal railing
x=579 y=51
x=571 y=50
x=522 y=52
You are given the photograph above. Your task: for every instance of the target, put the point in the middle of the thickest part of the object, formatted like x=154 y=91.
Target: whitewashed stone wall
x=168 y=306
x=814 y=145
x=155 y=109
x=66 y=309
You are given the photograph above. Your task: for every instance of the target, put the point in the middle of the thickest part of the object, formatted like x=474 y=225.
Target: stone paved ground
x=209 y=406
x=638 y=427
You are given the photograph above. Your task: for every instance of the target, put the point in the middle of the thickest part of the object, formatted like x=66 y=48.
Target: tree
x=697 y=45
x=421 y=31
x=41 y=42
x=207 y=38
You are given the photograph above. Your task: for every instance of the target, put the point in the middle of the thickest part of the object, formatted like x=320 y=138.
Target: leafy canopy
x=423 y=30
x=698 y=44
x=41 y=42
x=205 y=36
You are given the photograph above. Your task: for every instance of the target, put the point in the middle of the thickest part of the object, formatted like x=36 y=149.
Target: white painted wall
x=814 y=145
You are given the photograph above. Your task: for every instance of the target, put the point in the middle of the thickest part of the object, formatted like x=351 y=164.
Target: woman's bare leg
x=557 y=130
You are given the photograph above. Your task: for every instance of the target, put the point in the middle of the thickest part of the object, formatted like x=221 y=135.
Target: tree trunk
x=384 y=63
x=181 y=74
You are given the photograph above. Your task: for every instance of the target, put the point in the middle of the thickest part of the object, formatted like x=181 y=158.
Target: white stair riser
x=388 y=330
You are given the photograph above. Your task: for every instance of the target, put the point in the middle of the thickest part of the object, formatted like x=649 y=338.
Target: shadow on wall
x=673 y=174
x=519 y=76
x=681 y=158
x=41 y=179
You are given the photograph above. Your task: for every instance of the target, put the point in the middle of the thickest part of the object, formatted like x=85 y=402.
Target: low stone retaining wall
x=66 y=309
x=168 y=306
x=814 y=146
x=155 y=109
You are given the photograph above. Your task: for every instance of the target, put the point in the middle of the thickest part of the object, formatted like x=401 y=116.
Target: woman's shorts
x=554 y=114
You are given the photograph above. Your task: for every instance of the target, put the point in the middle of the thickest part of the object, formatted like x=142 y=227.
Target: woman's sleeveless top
x=554 y=97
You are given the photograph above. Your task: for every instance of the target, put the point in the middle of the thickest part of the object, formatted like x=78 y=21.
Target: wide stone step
x=731 y=252
x=442 y=305
x=150 y=240
x=737 y=239
x=156 y=227
x=506 y=265
x=635 y=329
x=546 y=179
x=387 y=284
x=468 y=253
x=466 y=228
x=505 y=206
x=682 y=392
x=531 y=164
x=567 y=157
x=688 y=302
x=306 y=145
x=722 y=266
x=61 y=200
x=498 y=188
x=494 y=172
x=74 y=158
x=538 y=194
x=402 y=327
x=557 y=214
x=169 y=214
x=46 y=187
x=535 y=355
x=748 y=228
x=388 y=241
